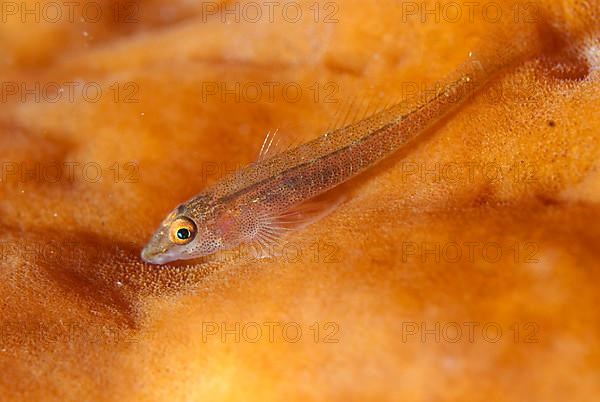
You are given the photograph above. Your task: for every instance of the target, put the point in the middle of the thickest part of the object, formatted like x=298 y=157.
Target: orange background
x=87 y=320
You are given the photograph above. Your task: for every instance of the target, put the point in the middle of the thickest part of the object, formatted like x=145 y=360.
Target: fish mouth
x=153 y=257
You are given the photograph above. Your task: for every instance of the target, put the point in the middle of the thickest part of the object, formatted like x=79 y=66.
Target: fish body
x=256 y=203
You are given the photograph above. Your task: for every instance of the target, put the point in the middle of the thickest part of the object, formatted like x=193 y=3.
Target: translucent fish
x=280 y=191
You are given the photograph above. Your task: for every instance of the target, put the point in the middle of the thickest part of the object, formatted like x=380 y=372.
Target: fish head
x=192 y=230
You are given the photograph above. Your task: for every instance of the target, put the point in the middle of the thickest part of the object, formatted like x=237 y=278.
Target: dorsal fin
x=270 y=146
x=274 y=144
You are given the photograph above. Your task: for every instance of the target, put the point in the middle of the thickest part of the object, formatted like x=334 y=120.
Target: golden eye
x=182 y=231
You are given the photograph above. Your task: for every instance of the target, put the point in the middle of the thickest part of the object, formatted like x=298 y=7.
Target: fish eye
x=182 y=231
x=183 y=234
